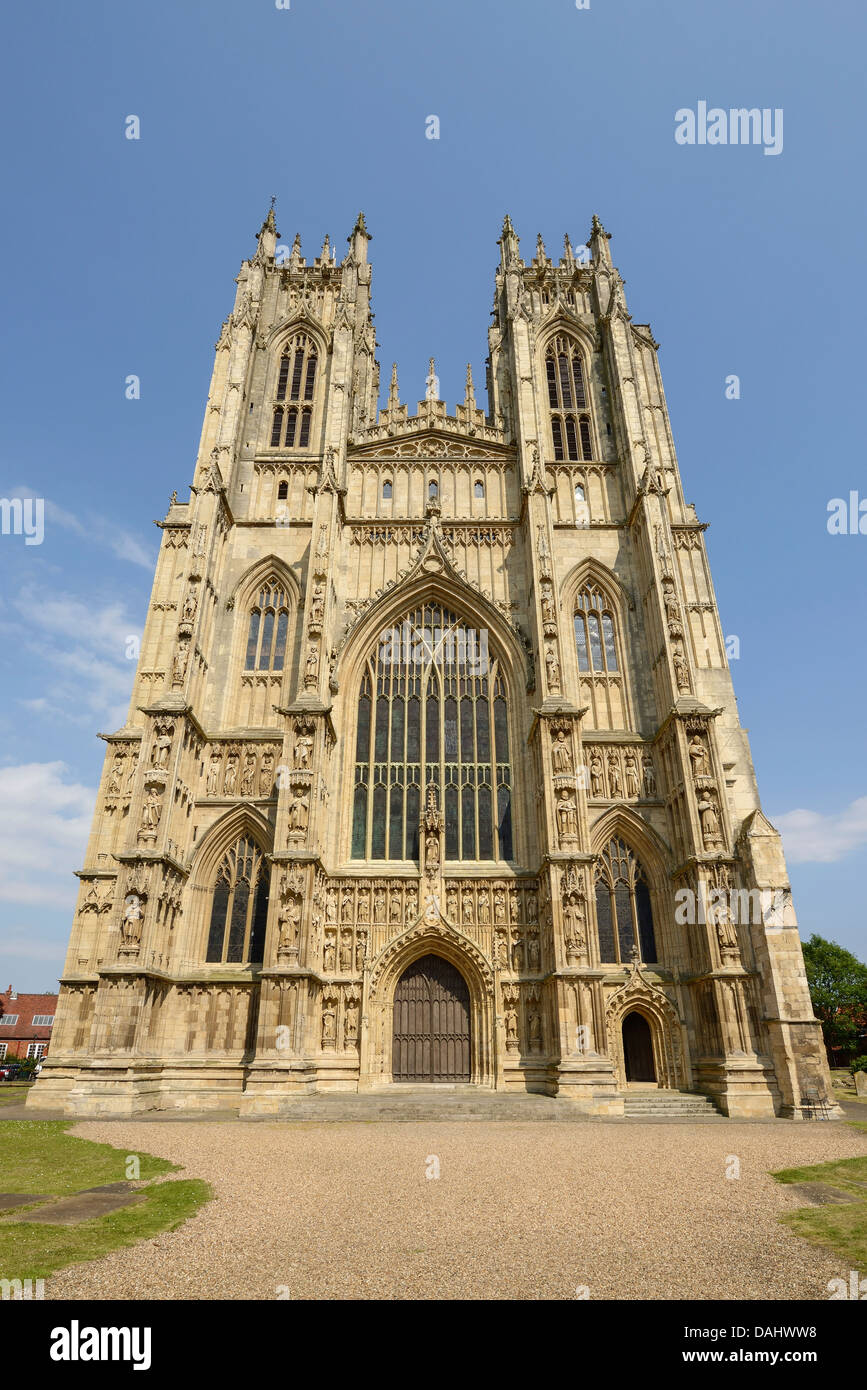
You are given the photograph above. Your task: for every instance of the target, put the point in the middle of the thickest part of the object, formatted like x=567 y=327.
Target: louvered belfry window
x=432 y=711
x=567 y=398
x=292 y=419
x=269 y=624
x=240 y=906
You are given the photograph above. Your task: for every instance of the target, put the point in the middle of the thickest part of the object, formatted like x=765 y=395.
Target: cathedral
x=433 y=772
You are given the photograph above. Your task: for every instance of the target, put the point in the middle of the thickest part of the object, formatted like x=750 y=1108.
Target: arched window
x=296 y=381
x=282 y=492
x=567 y=398
x=478 y=488
x=432 y=711
x=623 y=911
x=240 y=906
x=387 y=489
x=433 y=489
x=269 y=624
x=594 y=632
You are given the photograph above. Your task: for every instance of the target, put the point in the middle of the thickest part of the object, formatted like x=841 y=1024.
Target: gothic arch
x=562 y=323
x=625 y=822
x=595 y=605
x=238 y=822
x=269 y=566
x=269 y=570
x=474 y=610
x=299 y=321
x=592 y=571
x=639 y=995
x=437 y=937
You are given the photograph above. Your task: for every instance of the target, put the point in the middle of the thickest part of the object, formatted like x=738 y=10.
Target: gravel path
x=520 y=1211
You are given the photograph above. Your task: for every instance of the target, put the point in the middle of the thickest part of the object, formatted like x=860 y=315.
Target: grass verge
x=39 y=1156
x=842 y=1228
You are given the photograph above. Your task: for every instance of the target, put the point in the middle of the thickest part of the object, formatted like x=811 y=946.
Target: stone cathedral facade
x=433 y=769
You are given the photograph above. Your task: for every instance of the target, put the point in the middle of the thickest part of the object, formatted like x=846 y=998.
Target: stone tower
x=433 y=768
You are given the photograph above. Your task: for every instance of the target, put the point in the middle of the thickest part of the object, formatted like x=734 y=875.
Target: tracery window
x=594 y=631
x=567 y=398
x=269 y=625
x=296 y=380
x=623 y=911
x=239 y=907
x=432 y=711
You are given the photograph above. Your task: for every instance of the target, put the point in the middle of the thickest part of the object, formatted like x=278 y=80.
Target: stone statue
x=613 y=774
x=303 y=747
x=649 y=777
x=567 y=815
x=698 y=754
x=631 y=771
x=231 y=778
x=298 y=809
x=131 y=925
x=266 y=773
x=561 y=753
x=248 y=774
x=115 y=775
x=214 y=766
x=596 y=775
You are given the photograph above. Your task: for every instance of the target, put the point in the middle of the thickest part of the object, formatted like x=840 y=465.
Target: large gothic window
x=594 y=631
x=432 y=711
x=240 y=906
x=269 y=624
x=292 y=419
x=567 y=398
x=623 y=912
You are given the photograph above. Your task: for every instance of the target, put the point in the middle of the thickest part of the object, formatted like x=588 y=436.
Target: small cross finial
x=273 y=201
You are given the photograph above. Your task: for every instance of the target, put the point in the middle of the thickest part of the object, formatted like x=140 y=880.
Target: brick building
x=25 y=1023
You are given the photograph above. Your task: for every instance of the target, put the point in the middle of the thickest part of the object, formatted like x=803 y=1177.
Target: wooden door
x=431 y=1023
x=638 y=1049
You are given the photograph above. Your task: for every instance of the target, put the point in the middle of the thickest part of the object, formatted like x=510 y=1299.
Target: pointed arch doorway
x=638 y=1049
x=431 y=1040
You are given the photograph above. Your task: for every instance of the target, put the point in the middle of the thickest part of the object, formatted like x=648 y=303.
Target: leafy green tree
x=838 y=988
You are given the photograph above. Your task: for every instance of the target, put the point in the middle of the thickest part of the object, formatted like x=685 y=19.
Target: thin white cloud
x=85 y=645
x=811 y=838
x=96 y=529
x=44 y=824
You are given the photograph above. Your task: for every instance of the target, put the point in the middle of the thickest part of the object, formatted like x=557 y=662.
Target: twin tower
x=433 y=770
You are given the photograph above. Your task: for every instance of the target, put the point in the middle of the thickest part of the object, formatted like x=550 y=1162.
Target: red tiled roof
x=25 y=1006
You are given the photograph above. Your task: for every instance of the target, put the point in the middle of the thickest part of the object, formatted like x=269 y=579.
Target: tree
x=838 y=989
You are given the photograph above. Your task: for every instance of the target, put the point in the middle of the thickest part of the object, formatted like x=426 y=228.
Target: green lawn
x=14 y=1092
x=39 y=1156
x=842 y=1228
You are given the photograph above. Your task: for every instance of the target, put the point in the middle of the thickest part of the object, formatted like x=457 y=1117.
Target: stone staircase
x=668 y=1105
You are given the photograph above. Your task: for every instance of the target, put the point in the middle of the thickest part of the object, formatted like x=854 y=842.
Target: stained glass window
x=623 y=912
x=432 y=711
x=239 y=906
x=269 y=624
x=594 y=632
x=567 y=395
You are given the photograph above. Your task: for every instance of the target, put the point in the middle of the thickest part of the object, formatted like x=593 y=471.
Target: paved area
x=519 y=1211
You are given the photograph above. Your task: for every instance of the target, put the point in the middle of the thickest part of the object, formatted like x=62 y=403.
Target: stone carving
x=567 y=816
x=248 y=773
x=709 y=816
x=552 y=666
x=699 y=758
x=649 y=776
x=561 y=752
x=298 y=812
x=311 y=667
x=230 y=777
x=162 y=745
x=151 y=812
x=131 y=923
x=213 y=783
x=303 y=746
x=329 y=1023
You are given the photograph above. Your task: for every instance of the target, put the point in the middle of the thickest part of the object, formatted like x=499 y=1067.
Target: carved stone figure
x=499 y=904
x=597 y=785
x=567 y=815
x=213 y=784
x=552 y=666
x=533 y=952
x=534 y=1031
x=230 y=780
x=329 y=1017
x=452 y=905
x=179 y=667
x=151 y=812
x=114 y=777
x=613 y=774
x=311 y=666
x=266 y=773
x=511 y=1022
x=331 y=905
x=346 y=905
x=350 y=1023
x=131 y=925
x=699 y=758
x=330 y=954
x=710 y=826
x=298 y=811
x=190 y=605
x=346 y=952
x=467 y=905
x=162 y=746
x=630 y=768
x=649 y=777
x=484 y=908
x=680 y=669
x=561 y=753
x=303 y=747
x=248 y=774
x=379 y=905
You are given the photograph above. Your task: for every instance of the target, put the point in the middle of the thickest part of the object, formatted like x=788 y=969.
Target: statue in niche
x=680 y=671
x=561 y=753
x=597 y=785
x=452 y=905
x=517 y=953
x=511 y=1021
x=350 y=1026
x=331 y=905
x=363 y=905
x=151 y=812
x=248 y=774
x=161 y=746
x=698 y=755
x=317 y=606
x=266 y=773
x=672 y=607
x=532 y=908
x=346 y=905
x=411 y=902
x=548 y=610
x=395 y=907
x=346 y=952
x=514 y=905
x=298 y=810
x=360 y=944
x=329 y=1035
x=649 y=777
x=552 y=665
x=499 y=904
x=230 y=779
x=115 y=775
x=379 y=905
x=533 y=952
x=303 y=747
x=631 y=772
x=290 y=921
x=613 y=774
x=214 y=766
x=567 y=815
x=311 y=667
x=131 y=924
x=467 y=905
x=179 y=668
x=710 y=825
x=484 y=908
x=329 y=955
x=190 y=605
x=432 y=848
x=500 y=948
x=534 y=1031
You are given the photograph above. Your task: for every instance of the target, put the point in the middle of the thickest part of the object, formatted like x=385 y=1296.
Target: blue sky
x=120 y=257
